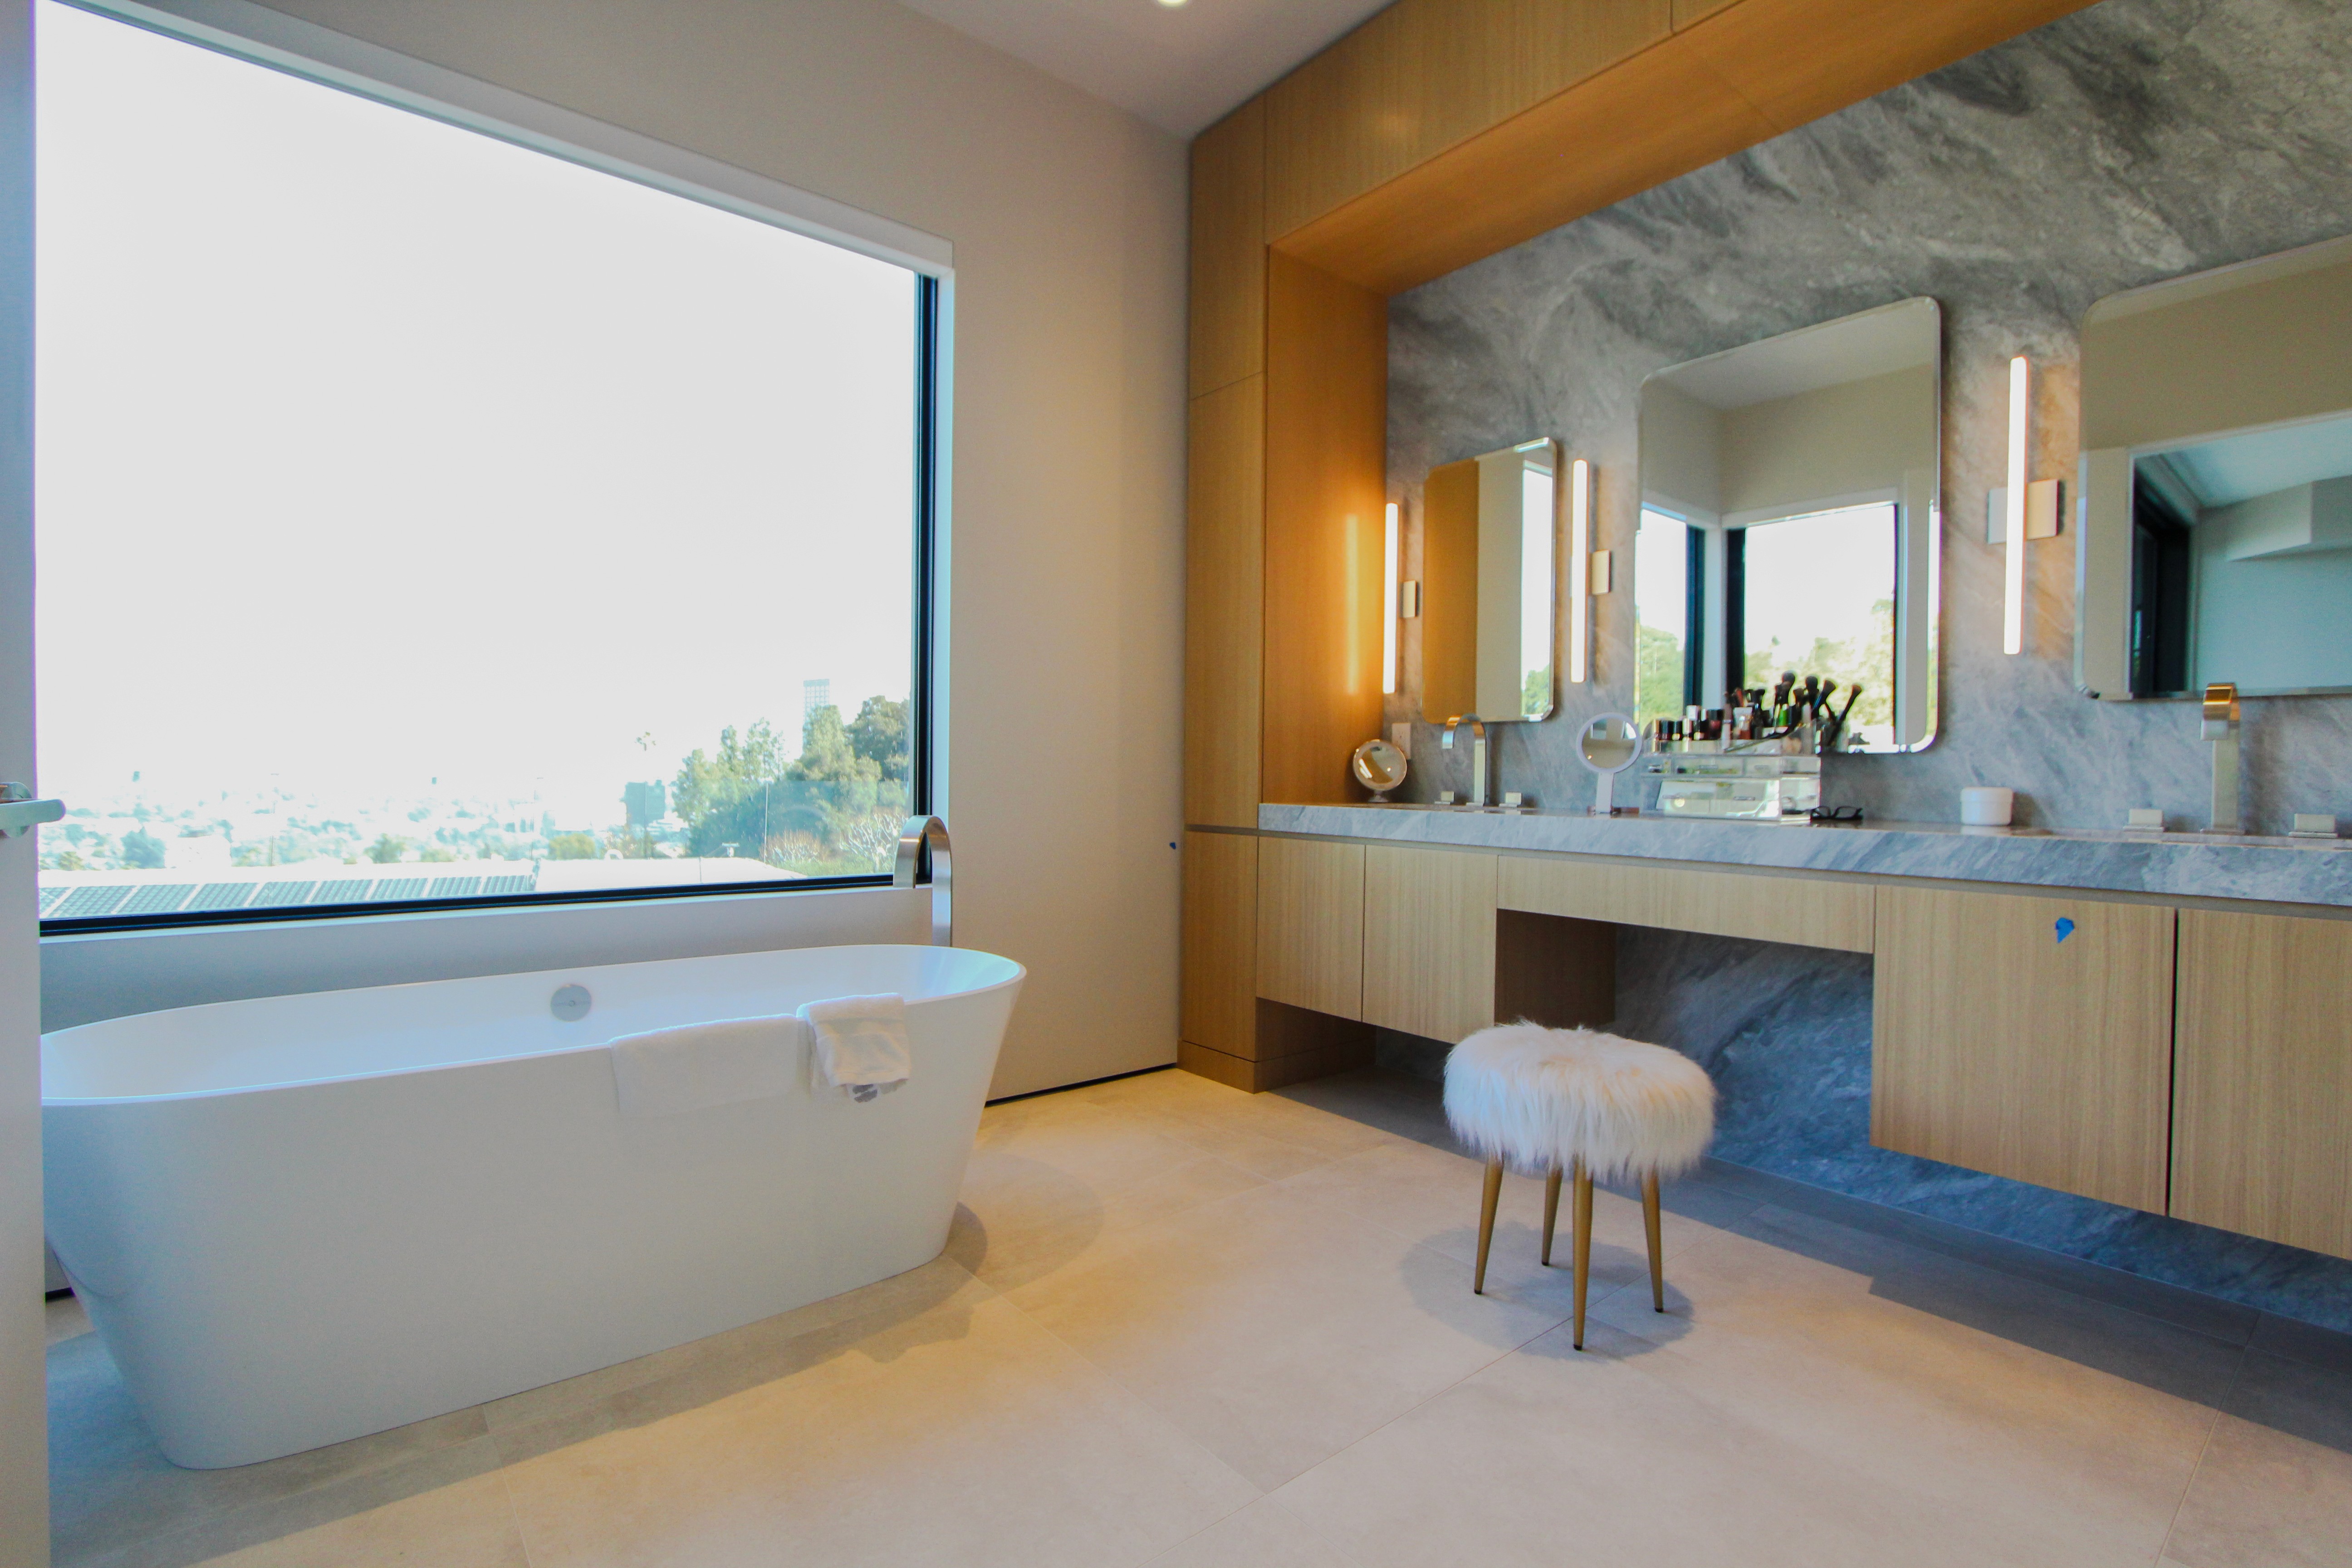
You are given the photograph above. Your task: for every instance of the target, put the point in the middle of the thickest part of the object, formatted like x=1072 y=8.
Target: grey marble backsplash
x=2133 y=141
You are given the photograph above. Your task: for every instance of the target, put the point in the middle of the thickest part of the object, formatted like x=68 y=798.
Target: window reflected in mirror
x=1666 y=674
x=2242 y=562
x=1790 y=522
x=1818 y=598
x=1812 y=594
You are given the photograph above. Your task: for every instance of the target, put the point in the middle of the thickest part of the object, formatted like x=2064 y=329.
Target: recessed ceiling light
x=1172 y=4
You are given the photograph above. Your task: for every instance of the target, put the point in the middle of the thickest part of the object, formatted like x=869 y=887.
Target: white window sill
x=87 y=976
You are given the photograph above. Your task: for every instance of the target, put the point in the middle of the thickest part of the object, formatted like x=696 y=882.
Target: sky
x=372 y=451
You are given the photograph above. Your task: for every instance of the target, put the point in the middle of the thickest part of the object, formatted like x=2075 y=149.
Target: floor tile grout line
x=514 y=1514
x=1143 y=1402
x=2212 y=1429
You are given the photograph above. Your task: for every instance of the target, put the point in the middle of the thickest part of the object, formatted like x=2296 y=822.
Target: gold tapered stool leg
x=1551 y=1211
x=1486 y=1224
x=1657 y=1253
x=1583 y=1243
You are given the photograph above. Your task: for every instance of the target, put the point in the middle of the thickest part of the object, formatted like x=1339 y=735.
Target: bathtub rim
x=1020 y=973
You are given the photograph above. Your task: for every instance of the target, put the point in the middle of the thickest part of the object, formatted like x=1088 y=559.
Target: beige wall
x=1067 y=550
x=1837 y=441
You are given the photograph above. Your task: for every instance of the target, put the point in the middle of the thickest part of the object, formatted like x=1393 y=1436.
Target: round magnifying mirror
x=1380 y=767
x=1609 y=743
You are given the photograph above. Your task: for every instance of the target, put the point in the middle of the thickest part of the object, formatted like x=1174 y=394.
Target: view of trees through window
x=420 y=516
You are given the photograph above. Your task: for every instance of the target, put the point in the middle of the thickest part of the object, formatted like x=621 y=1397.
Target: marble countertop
x=2176 y=865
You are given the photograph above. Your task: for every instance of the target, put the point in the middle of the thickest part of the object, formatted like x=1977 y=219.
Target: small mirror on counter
x=1790 y=517
x=1489 y=571
x=2216 y=544
x=1609 y=743
x=1380 y=767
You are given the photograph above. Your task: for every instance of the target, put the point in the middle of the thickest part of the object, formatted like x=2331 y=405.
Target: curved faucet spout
x=925 y=839
x=1477 y=754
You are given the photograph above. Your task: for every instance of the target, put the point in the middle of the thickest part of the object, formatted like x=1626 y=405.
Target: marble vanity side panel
x=2129 y=143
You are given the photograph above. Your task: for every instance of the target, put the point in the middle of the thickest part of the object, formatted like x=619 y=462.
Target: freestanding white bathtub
x=302 y=1219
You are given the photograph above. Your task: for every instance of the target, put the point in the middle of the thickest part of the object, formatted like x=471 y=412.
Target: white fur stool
x=1577 y=1100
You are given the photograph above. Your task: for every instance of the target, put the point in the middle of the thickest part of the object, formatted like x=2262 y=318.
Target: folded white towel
x=860 y=1043
x=665 y=1071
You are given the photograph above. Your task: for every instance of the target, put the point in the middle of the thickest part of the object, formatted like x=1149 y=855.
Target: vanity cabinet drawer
x=1310 y=925
x=1797 y=910
x=1429 y=941
x=2262 y=1130
x=2028 y=1037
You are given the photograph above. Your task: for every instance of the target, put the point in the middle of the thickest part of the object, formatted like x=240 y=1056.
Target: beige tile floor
x=1184 y=1327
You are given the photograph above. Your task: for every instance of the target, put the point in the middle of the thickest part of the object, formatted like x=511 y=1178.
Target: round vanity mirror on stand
x=1609 y=743
x=1380 y=767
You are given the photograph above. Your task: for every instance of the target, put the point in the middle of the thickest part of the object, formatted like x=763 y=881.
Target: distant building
x=814 y=694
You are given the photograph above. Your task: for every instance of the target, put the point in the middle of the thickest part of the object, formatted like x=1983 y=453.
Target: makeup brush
x=1852 y=692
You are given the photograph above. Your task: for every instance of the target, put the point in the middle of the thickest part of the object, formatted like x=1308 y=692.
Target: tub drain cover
x=571 y=1002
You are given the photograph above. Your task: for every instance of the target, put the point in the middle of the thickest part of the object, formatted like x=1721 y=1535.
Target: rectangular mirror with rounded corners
x=1489 y=579
x=2216 y=483
x=1790 y=503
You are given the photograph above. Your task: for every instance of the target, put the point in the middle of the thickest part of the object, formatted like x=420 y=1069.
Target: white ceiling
x=2240 y=467
x=1853 y=348
x=1181 y=68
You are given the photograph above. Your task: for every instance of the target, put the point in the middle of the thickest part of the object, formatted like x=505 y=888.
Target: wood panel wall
x=1225 y=605
x=1228 y=314
x=1424 y=76
x=1449 y=590
x=1325 y=504
x=1651 y=92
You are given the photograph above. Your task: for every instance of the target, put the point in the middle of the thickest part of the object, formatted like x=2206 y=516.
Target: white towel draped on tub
x=692 y=1067
x=860 y=1043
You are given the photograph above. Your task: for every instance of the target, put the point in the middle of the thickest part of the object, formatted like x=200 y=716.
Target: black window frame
x=920 y=720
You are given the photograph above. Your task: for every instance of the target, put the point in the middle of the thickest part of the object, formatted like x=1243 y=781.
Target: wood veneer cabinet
x=1429 y=941
x=1224 y=580
x=1218 y=999
x=2261 y=1140
x=2005 y=1041
x=1310 y=925
x=1768 y=907
x=1228 y=289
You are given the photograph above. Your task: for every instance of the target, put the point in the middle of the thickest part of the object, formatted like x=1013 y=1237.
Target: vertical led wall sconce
x=2020 y=423
x=1580 y=572
x=1392 y=561
x=2020 y=511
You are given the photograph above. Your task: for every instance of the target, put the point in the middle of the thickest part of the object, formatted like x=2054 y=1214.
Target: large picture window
x=423 y=517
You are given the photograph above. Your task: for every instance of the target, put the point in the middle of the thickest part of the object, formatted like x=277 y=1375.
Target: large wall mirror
x=2217 y=482
x=1489 y=585
x=1790 y=505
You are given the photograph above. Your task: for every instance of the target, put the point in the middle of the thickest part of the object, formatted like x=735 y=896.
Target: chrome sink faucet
x=1477 y=755
x=2220 y=727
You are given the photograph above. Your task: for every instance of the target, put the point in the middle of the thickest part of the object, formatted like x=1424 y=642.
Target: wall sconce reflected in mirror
x=2020 y=511
x=1580 y=572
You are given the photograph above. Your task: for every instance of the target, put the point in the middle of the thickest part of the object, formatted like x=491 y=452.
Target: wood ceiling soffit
x=1737 y=77
x=1428 y=75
